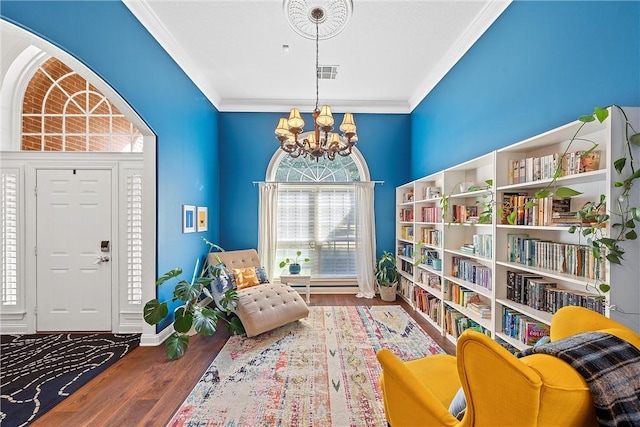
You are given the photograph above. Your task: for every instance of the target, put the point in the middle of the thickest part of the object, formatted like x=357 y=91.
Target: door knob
x=101 y=259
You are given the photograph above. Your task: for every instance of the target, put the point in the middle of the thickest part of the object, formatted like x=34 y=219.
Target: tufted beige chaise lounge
x=264 y=307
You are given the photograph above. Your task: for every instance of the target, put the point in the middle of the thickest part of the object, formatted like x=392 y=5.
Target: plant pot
x=388 y=293
x=294 y=268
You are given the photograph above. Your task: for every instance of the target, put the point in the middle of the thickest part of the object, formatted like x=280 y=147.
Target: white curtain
x=268 y=226
x=365 y=240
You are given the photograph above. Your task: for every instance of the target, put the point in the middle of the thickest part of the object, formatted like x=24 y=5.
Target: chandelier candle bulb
x=312 y=141
x=348 y=125
x=283 y=127
x=295 y=120
x=325 y=118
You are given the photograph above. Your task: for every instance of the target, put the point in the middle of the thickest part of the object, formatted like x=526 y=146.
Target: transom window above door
x=62 y=111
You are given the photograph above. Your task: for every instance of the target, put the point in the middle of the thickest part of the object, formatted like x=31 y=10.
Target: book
x=509 y=203
x=590 y=162
x=521 y=286
x=533 y=331
x=537 y=290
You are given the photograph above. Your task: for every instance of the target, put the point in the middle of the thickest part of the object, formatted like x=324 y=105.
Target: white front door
x=73 y=274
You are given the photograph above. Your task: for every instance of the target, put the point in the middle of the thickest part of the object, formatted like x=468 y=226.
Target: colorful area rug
x=319 y=371
x=38 y=371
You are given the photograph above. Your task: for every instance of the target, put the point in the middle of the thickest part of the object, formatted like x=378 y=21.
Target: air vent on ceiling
x=327 y=72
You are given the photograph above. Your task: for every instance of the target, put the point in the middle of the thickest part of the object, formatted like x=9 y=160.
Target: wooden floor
x=145 y=389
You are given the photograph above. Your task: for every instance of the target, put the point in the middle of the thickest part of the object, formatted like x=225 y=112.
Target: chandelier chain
x=321 y=142
x=317 y=63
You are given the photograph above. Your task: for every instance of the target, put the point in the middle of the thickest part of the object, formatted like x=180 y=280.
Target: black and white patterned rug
x=38 y=371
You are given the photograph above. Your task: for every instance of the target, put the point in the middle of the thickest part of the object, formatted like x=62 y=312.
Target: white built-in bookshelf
x=505 y=279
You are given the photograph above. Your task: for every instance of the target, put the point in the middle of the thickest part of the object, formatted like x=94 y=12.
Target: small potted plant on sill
x=294 y=264
x=387 y=276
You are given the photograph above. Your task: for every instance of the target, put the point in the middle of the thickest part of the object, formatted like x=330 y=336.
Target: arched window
x=316 y=212
x=62 y=111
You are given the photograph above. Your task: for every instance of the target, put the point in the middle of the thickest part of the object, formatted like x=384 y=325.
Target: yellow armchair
x=500 y=389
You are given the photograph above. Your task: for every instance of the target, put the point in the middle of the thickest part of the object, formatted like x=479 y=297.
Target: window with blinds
x=134 y=238
x=9 y=239
x=316 y=214
x=318 y=220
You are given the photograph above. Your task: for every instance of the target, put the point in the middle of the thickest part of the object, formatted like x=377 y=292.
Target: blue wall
x=247 y=143
x=118 y=48
x=540 y=65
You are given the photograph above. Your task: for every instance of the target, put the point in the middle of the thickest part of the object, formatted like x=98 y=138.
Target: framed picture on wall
x=188 y=218
x=203 y=218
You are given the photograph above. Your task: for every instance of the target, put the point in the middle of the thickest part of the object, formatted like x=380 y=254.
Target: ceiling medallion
x=334 y=17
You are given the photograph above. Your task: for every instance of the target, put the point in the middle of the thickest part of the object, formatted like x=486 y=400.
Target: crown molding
x=307 y=105
x=143 y=13
x=485 y=19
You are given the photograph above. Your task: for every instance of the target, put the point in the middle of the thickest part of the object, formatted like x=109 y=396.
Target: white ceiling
x=391 y=53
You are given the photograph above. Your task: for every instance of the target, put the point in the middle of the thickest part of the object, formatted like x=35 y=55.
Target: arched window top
x=284 y=168
x=62 y=111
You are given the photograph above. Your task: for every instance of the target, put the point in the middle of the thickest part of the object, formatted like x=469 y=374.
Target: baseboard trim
x=151 y=340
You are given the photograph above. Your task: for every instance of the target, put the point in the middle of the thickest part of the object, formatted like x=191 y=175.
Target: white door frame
x=62 y=161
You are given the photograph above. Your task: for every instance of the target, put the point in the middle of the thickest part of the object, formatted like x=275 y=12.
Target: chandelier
x=321 y=142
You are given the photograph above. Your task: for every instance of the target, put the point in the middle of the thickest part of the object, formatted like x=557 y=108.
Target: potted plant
x=387 y=276
x=193 y=314
x=294 y=264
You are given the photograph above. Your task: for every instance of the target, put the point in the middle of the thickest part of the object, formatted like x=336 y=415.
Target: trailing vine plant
x=594 y=214
x=486 y=215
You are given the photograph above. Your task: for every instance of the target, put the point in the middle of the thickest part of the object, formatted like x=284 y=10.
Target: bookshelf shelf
x=578 y=280
x=581 y=178
x=435 y=292
x=469 y=194
x=423 y=199
x=511 y=341
x=435 y=200
x=466 y=224
x=404 y=258
x=429 y=269
x=467 y=255
x=534 y=227
x=541 y=316
x=484 y=322
x=471 y=286
x=405 y=274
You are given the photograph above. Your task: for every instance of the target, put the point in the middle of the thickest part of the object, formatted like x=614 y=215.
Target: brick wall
x=61 y=109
